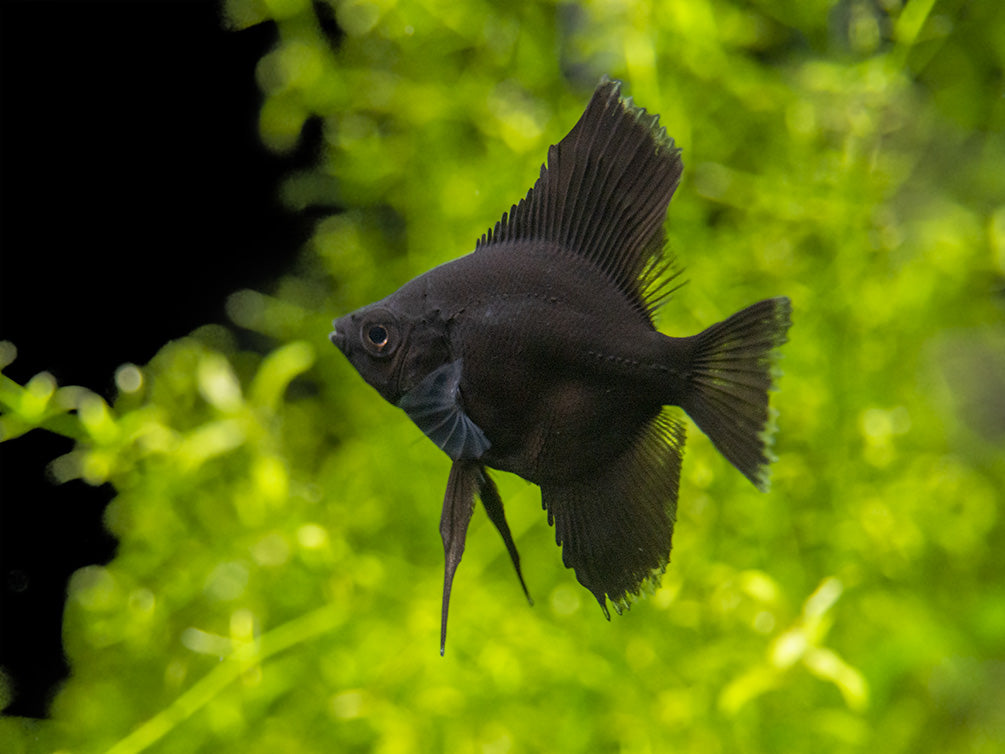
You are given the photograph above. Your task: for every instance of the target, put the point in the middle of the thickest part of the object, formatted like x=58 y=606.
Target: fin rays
x=731 y=374
x=458 y=505
x=616 y=527
x=603 y=196
x=435 y=407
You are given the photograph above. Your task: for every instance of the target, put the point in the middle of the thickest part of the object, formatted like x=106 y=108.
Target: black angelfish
x=537 y=354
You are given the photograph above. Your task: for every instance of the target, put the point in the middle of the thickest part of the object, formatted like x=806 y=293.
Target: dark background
x=136 y=195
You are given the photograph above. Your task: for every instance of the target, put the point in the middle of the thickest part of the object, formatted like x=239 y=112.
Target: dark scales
x=537 y=354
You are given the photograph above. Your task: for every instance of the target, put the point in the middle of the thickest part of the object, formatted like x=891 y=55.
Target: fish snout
x=338 y=336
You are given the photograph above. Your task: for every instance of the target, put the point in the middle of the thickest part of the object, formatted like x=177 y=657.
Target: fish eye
x=377 y=335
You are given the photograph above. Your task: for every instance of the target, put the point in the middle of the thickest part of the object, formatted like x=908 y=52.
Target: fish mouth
x=338 y=337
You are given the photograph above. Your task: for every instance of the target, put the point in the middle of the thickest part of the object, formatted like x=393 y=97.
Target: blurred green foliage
x=278 y=580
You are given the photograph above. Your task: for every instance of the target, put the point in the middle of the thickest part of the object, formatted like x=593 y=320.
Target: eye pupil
x=377 y=335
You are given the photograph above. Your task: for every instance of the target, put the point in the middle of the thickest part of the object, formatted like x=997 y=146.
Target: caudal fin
x=730 y=376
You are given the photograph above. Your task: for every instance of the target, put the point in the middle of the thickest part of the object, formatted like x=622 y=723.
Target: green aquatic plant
x=277 y=582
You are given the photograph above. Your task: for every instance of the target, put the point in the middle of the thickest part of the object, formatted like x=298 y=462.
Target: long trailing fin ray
x=731 y=373
x=616 y=526
x=603 y=196
x=492 y=502
x=458 y=505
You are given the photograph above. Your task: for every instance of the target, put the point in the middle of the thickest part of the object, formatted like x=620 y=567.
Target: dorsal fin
x=603 y=196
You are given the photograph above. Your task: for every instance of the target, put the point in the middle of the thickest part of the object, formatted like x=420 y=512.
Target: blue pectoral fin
x=434 y=405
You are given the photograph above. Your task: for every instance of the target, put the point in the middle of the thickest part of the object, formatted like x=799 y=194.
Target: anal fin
x=616 y=526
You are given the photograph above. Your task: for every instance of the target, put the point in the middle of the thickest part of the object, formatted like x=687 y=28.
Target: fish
x=537 y=353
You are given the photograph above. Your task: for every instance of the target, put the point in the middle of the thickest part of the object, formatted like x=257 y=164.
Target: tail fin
x=730 y=375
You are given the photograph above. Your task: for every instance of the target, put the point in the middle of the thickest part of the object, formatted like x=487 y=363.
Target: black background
x=136 y=195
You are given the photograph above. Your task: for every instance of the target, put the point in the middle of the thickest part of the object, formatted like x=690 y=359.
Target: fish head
x=392 y=348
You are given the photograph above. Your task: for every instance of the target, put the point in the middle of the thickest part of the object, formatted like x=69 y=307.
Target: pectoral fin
x=435 y=407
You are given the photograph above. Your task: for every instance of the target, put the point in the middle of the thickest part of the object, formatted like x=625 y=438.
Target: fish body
x=554 y=360
x=537 y=354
